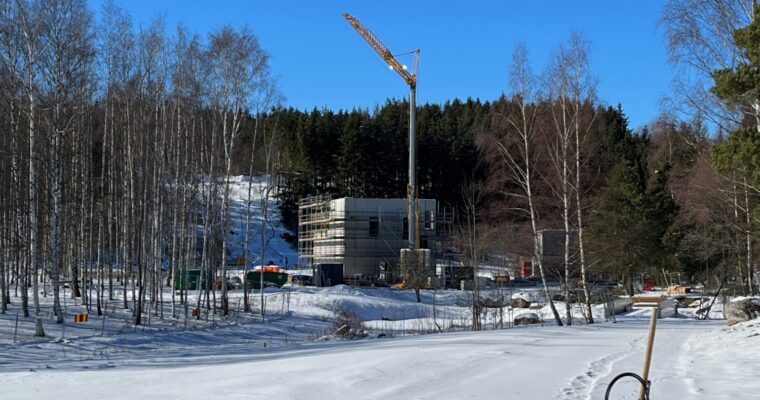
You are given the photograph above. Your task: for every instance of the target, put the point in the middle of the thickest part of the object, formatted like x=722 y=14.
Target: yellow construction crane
x=411 y=80
x=383 y=52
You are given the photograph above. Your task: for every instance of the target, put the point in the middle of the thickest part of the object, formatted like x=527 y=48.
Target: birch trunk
x=748 y=238
x=579 y=215
x=55 y=237
x=520 y=133
x=246 y=303
x=39 y=331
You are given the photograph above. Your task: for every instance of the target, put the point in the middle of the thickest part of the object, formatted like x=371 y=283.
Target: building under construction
x=358 y=240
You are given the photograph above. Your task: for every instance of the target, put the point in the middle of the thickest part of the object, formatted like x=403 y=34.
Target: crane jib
x=382 y=51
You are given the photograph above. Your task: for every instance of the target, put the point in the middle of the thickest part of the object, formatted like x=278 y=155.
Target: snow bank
x=530 y=297
x=690 y=361
x=753 y=299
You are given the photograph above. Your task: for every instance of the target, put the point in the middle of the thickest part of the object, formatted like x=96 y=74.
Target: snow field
x=243 y=357
x=528 y=363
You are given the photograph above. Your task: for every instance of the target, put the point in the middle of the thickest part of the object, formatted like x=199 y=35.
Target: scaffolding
x=313 y=224
x=361 y=237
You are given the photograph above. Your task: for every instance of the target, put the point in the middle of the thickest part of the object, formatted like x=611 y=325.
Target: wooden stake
x=650 y=345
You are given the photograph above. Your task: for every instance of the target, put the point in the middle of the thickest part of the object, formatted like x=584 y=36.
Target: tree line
x=359 y=153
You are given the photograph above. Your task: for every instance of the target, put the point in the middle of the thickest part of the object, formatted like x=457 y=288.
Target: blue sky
x=320 y=61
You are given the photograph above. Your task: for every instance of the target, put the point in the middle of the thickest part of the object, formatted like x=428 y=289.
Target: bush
x=347 y=324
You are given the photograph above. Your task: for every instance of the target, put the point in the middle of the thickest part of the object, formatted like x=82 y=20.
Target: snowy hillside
x=276 y=248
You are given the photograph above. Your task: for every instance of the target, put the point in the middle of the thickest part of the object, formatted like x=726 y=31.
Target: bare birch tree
x=571 y=90
x=267 y=230
x=236 y=64
x=516 y=143
x=186 y=85
x=10 y=86
x=583 y=91
x=471 y=232
x=559 y=143
x=265 y=98
x=65 y=72
x=29 y=27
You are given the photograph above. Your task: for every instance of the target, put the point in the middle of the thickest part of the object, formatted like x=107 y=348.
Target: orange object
x=80 y=318
x=268 y=268
x=678 y=289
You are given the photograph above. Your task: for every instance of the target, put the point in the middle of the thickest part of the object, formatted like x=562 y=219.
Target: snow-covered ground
x=691 y=360
x=292 y=354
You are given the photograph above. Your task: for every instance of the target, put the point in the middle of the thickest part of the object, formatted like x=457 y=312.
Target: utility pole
x=411 y=80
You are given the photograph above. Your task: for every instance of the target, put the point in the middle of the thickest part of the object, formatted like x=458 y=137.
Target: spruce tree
x=634 y=212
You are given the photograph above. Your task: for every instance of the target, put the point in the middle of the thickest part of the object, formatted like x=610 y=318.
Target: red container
x=526 y=269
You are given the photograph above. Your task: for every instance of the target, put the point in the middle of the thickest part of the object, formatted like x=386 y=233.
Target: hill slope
x=276 y=249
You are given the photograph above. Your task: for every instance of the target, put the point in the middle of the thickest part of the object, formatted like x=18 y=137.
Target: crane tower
x=411 y=79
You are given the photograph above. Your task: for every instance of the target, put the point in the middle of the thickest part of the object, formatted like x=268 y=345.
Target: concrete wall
x=350 y=242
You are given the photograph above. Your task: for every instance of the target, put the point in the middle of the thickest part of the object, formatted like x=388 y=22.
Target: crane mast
x=411 y=80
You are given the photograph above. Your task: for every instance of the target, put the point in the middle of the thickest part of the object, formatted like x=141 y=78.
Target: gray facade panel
x=361 y=234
